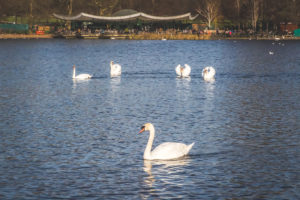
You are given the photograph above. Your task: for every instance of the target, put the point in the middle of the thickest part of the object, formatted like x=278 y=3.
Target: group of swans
x=115 y=70
x=208 y=73
x=172 y=150
x=167 y=150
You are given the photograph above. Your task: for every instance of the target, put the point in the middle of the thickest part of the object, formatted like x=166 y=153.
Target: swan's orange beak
x=142 y=129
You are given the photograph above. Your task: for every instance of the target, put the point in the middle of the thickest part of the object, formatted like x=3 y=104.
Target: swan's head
x=73 y=66
x=111 y=62
x=146 y=127
x=181 y=69
x=208 y=71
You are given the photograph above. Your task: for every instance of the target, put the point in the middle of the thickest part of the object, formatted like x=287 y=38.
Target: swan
x=208 y=73
x=271 y=52
x=183 y=71
x=80 y=76
x=115 y=69
x=165 y=151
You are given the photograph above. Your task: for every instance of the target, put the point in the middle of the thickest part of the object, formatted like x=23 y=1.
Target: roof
x=124 y=12
x=128 y=17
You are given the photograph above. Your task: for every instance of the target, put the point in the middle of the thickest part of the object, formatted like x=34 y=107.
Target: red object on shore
x=40 y=32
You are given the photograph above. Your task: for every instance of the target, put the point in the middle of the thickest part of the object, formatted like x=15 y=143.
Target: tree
x=255 y=5
x=209 y=10
x=153 y=6
x=70 y=7
x=238 y=9
x=30 y=15
x=106 y=6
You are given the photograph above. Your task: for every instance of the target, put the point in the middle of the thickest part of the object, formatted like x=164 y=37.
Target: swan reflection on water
x=183 y=82
x=209 y=89
x=166 y=171
x=77 y=82
x=183 y=88
x=115 y=83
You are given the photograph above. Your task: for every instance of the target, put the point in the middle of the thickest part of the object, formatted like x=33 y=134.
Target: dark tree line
x=254 y=14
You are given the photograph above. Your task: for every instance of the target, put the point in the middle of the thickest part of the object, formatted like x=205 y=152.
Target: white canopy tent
x=131 y=17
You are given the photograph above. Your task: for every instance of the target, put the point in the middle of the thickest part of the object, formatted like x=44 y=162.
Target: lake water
x=65 y=139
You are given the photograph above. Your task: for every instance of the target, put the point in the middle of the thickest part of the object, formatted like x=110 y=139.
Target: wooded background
x=238 y=13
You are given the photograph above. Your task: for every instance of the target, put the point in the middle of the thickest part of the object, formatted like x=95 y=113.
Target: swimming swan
x=80 y=76
x=165 y=151
x=115 y=69
x=208 y=73
x=183 y=71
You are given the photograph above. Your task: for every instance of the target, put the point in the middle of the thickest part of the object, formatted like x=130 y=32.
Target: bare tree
x=70 y=7
x=209 y=10
x=106 y=6
x=153 y=6
x=255 y=12
x=238 y=8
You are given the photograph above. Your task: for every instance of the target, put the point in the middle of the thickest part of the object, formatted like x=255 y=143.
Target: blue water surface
x=65 y=139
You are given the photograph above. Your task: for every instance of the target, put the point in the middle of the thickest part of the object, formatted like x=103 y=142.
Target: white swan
x=115 y=69
x=208 y=73
x=80 y=76
x=271 y=52
x=183 y=71
x=165 y=151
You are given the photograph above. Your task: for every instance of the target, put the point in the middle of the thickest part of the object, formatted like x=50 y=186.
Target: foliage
x=241 y=13
x=209 y=10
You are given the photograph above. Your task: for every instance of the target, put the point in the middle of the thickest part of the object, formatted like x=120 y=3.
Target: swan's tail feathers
x=190 y=147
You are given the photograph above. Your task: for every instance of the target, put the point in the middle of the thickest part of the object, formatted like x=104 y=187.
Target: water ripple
x=65 y=139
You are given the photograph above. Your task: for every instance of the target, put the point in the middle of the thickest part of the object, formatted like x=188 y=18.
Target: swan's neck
x=147 y=153
x=74 y=72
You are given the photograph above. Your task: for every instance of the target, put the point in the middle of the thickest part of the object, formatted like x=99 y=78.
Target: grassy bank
x=25 y=36
x=154 y=36
x=151 y=36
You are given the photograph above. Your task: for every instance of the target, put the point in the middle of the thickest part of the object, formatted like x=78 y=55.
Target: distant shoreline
x=25 y=36
x=145 y=37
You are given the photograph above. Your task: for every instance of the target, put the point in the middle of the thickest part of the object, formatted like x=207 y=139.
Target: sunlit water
x=65 y=139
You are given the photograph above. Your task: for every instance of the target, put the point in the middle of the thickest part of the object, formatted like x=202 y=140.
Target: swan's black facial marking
x=142 y=129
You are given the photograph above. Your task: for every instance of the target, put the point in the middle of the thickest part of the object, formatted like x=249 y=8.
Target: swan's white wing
x=209 y=74
x=115 y=70
x=177 y=69
x=118 y=69
x=212 y=71
x=170 y=150
x=187 y=70
x=83 y=76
